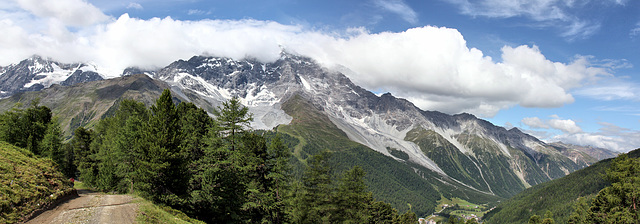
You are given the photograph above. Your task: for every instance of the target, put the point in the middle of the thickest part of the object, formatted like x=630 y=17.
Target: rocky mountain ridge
x=462 y=148
x=37 y=73
x=499 y=161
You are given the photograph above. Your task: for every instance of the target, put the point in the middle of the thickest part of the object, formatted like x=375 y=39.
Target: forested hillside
x=577 y=191
x=215 y=168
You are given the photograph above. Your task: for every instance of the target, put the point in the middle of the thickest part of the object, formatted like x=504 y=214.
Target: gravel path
x=91 y=207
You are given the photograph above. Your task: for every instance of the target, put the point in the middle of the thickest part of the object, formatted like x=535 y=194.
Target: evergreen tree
x=81 y=145
x=548 y=218
x=352 y=197
x=579 y=214
x=51 y=145
x=218 y=188
x=314 y=203
x=233 y=119
x=280 y=177
x=535 y=219
x=472 y=221
x=409 y=218
x=383 y=213
x=194 y=124
x=69 y=168
x=620 y=202
x=167 y=163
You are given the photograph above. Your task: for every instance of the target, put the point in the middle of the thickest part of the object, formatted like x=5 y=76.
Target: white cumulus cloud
x=566 y=126
x=431 y=66
x=534 y=122
x=70 y=12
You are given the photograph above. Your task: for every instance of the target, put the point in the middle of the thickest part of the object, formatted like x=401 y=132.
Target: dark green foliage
x=25 y=127
x=352 y=197
x=35 y=129
x=233 y=119
x=534 y=219
x=277 y=163
x=80 y=144
x=52 y=147
x=167 y=165
x=407 y=218
x=382 y=213
x=315 y=202
x=215 y=170
x=591 y=197
x=548 y=218
x=620 y=202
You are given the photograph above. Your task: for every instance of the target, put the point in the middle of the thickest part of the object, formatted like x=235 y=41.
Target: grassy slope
x=150 y=213
x=558 y=196
x=390 y=180
x=27 y=182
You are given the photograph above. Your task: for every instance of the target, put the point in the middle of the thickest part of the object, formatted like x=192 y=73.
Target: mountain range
x=423 y=155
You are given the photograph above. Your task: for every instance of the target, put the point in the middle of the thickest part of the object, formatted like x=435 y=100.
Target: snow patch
x=305 y=83
x=58 y=75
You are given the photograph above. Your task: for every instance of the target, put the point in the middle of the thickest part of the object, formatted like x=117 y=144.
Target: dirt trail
x=91 y=207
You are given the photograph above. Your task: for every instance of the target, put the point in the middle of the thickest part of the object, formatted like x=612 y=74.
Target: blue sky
x=559 y=70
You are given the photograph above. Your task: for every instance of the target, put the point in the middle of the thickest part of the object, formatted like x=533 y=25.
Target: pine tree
x=233 y=119
x=194 y=124
x=620 y=202
x=383 y=213
x=352 y=197
x=218 y=184
x=51 y=145
x=548 y=218
x=279 y=175
x=81 y=144
x=408 y=218
x=579 y=214
x=314 y=203
x=535 y=219
x=168 y=164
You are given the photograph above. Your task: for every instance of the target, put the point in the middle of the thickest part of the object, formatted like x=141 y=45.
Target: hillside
x=27 y=183
x=390 y=180
x=84 y=104
x=558 y=196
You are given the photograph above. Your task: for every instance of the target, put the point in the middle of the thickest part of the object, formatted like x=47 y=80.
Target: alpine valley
x=413 y=158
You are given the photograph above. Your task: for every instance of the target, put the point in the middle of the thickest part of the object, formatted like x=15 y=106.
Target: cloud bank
x=609 y=136
x=431 y=66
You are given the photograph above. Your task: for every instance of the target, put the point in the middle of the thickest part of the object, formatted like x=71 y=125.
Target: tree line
x=215 y=169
